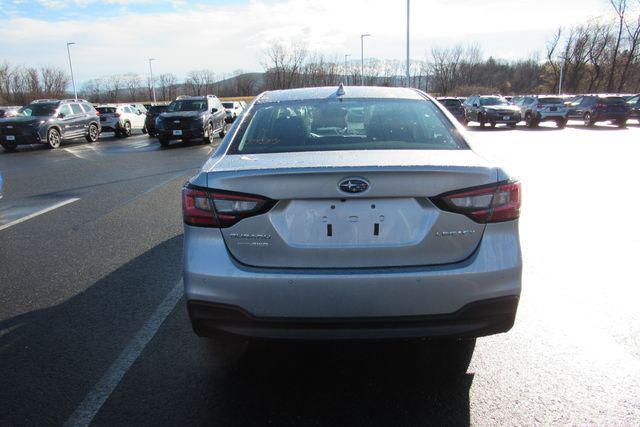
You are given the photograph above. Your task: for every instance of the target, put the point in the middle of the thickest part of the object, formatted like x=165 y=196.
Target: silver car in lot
x=540 y=108
x=351 y=213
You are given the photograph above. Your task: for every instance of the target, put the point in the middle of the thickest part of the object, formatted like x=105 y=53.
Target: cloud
x=186 y=36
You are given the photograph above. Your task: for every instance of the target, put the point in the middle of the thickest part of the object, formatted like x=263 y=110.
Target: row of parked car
x=53 y=121
x=534 y=109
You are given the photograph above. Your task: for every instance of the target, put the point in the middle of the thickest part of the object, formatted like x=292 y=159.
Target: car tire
x=448 y=357
x=54 y=138
x=223 y=132
x=164 y=142
x=561 y=124
x=512 y=125
x=588 y=120
x=530 y=121
x=9 y=146
x=144 y=129
x=126 y=130
x=621 y=123
x=208 y=134
x=93 y=133
x=493 y=124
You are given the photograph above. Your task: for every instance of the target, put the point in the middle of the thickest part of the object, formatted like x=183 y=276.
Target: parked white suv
x=122 y=119
x=233 y=109
x=536 y=109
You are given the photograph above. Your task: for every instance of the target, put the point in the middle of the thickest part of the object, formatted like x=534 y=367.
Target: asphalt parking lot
x=93 y=327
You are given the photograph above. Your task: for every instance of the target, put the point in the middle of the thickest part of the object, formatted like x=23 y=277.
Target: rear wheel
x=562 y=123
x=164 y=142
x=208 y=134
x=93 y=133
x=512 y=125
x=493 y=124
x=223 y=132
x=448 y=357
x=530 y=121
x=144 y=129
x=588 y=120
x=126 y=129
x=53 y=138
x=622 y=123
x=9 y=146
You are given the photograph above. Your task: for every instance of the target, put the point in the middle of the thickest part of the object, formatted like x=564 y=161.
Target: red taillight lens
x=494 y=203
x=212 y=208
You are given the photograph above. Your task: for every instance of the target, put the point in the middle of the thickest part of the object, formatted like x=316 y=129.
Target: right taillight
x=213 y=208
x=488 y=203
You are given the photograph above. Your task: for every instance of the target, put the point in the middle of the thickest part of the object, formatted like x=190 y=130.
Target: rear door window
x=65 y=110
x=76 y=109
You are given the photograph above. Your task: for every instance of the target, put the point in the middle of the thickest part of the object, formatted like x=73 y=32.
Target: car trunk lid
x=316 y=224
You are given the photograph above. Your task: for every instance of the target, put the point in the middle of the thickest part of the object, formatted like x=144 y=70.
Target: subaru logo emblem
x=353 y=185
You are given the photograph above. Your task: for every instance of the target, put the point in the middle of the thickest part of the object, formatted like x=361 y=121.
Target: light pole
x=408 y=38
x=561 y=77
x=73 y=81
x=346 y=73
x=153 y=86
x=362 y=36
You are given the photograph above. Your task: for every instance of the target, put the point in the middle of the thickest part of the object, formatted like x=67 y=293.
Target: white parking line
x=89 y=407
x=40 y=212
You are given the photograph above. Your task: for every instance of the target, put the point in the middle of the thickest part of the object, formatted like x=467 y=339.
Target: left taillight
x=220 y=209
x=494 y=203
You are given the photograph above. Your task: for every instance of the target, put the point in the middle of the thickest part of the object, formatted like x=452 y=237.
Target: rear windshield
x=451 y=102
x=188 y=105
x=550 y=100
x=613 y=100
x=328 y=125
x=227 y=104
x=106 y=110
x=158 y=108
x=493 y=100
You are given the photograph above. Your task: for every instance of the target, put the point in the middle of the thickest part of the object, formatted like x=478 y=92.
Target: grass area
x=246 y=99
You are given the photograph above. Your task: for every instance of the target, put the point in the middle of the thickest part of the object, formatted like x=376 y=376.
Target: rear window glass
x=328 y=125
x=451 y=102
x=76 y=109
x=614 y=100
x=550 y=100
x=227 y=104
x=157 y=108
x=188 y=105
x=87 y=108
x=106 y=110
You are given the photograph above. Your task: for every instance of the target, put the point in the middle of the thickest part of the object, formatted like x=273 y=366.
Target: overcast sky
x=117 y=36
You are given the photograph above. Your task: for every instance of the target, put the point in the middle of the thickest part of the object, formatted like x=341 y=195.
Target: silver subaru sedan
x=351 y=213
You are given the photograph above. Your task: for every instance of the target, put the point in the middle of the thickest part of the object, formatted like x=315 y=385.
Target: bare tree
x=132 y=82
x=620 y=8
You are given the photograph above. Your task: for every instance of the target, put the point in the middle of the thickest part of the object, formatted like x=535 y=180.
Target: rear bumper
x=550 y=116
x=601 y=117
x=224 y=295
x=476 y=319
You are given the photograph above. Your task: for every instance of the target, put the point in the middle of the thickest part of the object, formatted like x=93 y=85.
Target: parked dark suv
x=192 y=117
x=491 y=109
x=51 y=122
x=454 y=105
x=599 y=108
x=633 y=107
x=152 y=114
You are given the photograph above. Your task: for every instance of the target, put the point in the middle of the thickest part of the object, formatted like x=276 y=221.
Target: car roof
x=330 y=91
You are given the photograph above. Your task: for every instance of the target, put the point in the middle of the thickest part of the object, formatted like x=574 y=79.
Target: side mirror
x=214 y=110
x=61 y=116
